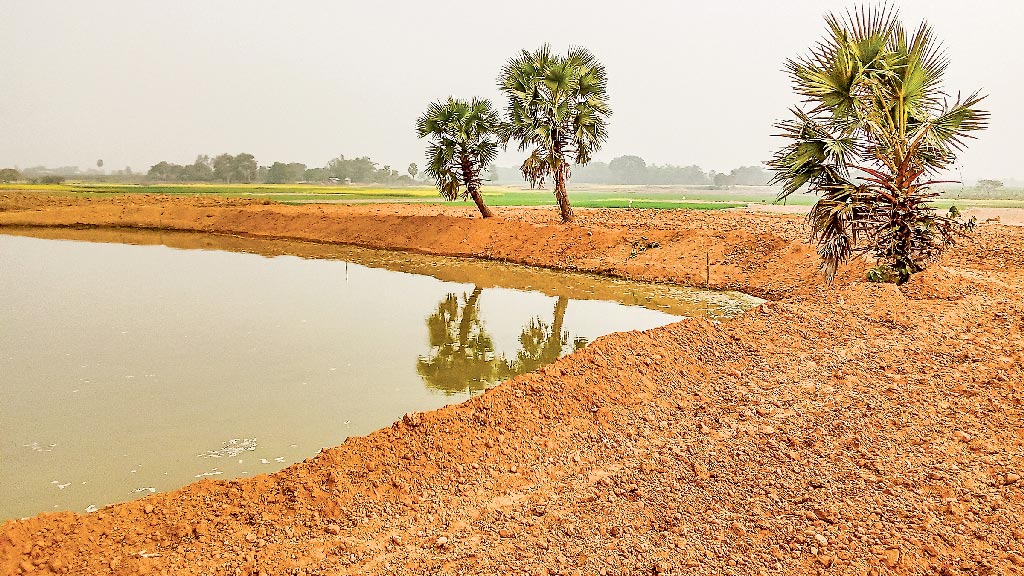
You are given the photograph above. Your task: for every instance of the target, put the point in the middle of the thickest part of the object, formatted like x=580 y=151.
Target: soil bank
x=846 y=429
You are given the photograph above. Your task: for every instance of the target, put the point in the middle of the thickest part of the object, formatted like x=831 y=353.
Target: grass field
x=581 y=195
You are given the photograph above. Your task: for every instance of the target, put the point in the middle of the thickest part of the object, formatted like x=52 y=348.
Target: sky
x=700 y=83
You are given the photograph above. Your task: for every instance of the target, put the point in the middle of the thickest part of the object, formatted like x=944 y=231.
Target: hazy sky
x=691 y=82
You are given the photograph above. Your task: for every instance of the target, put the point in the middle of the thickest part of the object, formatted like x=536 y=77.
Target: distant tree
x=281 y=173
x=201 y=170
x=315 y=175
x=9 y=175
x=166 y=172
x=593 y=172
x=386 y=174
x=558 y=107
x=463 y=140
x=240 y=168
x=750 y=176
x=244 y=167
x=360 y=169
x=669 y=174
x=722 y=179
x=629 y=169
x=413 y=170
x=223 y=169
x=877 y=129
x=990 y=185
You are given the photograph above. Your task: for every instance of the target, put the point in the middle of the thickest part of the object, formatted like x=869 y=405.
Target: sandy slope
x=852 y=429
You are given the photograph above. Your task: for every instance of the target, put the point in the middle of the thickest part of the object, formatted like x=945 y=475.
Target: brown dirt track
x=852 y=429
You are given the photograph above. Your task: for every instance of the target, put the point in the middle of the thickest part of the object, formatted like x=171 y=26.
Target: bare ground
x=845 y=429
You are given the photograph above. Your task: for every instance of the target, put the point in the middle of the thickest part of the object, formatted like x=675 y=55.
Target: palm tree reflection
x=462 y=356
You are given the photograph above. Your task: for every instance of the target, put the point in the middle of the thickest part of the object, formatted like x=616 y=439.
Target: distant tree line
x=243 y=168
x=634 y=170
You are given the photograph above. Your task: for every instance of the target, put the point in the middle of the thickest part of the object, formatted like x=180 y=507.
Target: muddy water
x=129 y=365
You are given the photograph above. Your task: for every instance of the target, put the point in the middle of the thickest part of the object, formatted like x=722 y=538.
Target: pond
x=135 y=362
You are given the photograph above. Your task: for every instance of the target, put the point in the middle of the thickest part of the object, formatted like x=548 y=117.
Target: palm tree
x=464 y=141
x=875 y=133
x=558 y=107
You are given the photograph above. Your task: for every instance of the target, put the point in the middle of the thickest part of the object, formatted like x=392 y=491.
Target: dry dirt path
x=852 y=429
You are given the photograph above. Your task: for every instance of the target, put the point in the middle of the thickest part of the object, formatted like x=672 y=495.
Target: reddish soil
x=846 y=429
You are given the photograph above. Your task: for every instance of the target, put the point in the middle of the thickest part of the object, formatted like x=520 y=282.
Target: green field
x=608 y=197
x=581 y=195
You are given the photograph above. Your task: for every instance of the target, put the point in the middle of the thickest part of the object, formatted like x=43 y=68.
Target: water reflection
x=462 y=354
x=544 y=343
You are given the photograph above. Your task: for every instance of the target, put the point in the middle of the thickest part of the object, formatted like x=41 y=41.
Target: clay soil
x=847 y=429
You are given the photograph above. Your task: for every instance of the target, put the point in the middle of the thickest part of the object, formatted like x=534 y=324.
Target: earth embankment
x=846 y=429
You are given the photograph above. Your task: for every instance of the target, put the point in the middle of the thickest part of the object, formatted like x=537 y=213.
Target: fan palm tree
x=875 y=132
x=463 y=142
x=558 y=107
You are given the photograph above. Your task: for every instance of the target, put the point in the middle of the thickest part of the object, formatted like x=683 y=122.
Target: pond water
x=139 y=362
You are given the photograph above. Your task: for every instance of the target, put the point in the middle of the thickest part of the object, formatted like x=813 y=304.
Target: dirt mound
x=852 y=429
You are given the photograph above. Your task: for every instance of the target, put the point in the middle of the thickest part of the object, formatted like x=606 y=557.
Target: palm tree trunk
x=472 y=180
x=561 y=196
x=485 y=210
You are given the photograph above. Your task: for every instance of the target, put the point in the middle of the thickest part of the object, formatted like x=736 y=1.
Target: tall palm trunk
x=472 y=181
x=561 y=196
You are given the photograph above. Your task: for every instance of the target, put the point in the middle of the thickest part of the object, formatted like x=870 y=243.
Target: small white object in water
x=37 y=448
x=279 y=459
x=213 y=472
x=264 y=461
x=92 y=508
x=146 y=489
x=231 y=448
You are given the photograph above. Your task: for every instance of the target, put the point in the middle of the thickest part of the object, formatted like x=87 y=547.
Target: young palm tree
x=876 y=131
x=558 y=106
x=463 y=142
